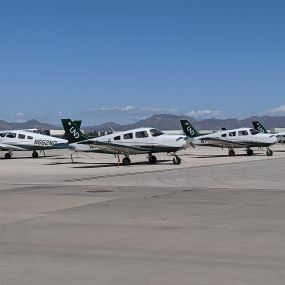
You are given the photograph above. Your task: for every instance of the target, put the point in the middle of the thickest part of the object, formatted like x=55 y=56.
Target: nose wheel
x=269 y=152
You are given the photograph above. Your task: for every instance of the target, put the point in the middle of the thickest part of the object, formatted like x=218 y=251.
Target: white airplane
x=20 y=140
x=131 y=142
x=231 y=139
x=259 y=127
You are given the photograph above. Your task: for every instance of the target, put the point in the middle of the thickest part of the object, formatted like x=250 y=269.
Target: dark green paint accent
x=72 y=132
x=189 y=130
x=257 y=126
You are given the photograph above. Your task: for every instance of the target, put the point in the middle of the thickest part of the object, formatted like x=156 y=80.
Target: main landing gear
x=231 y=152
x=35 y=154
x=269 y=152
x=152 y=159
x=249 y=152
x=8 y=155
x=176 y=160
x=126 y=161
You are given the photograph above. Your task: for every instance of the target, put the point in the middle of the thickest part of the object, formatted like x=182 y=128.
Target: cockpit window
x=11 y=135
x=232 y=134
x=253 y=132
x=2 y=135
x=155 y=132
x=117 y=138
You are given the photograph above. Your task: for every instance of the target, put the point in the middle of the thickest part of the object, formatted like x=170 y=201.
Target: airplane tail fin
x=72 y=131
x=257 y=126
x=77 y=124
x=188 y=129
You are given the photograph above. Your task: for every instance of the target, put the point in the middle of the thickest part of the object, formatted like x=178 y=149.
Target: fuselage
x=148 y=140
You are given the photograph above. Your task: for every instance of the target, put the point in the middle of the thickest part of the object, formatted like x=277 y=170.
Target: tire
x=126 y=161
x=269 y=152
x=249 y=152
x=176 y=160
x=232 y=152
x=35 y=154
x=152 y=159
x=7 y=155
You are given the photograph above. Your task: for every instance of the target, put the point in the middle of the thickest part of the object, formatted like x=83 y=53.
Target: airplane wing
x=225 y=143
x=9 y=147
x=116 y=148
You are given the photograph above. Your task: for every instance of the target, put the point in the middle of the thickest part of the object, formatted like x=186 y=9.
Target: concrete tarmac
x=213 y=220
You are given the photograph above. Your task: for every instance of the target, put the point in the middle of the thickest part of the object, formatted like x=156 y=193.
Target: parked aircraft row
x=138 y=141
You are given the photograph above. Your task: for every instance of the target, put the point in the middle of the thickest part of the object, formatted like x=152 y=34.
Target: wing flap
x=224 y=143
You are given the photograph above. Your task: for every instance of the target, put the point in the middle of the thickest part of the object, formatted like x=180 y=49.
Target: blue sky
x=125 y=60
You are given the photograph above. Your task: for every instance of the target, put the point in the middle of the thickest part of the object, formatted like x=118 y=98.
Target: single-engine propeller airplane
x=20 y=140
x=131 y=142
x=237 y=138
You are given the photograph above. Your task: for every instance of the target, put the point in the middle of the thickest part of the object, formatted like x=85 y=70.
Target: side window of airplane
x=243 y=133
x=117 y=138
x=142 y=134
x=128 y=136
x=232 y=134
x=2 y=135
x=224 y=135
x=253 y=132
x=21 y=136
x=155 y=132
x=11 y=135
x=30 y=138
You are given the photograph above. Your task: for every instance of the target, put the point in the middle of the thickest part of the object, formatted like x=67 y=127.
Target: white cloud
x=115 y=108
x=20 y=117
x=280 y=110
x=203 y=113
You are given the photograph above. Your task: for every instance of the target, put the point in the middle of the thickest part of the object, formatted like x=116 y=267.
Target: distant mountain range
x=31 y=124
x=162 y=122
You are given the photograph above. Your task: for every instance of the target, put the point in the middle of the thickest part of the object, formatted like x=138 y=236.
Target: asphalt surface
x=214 y=219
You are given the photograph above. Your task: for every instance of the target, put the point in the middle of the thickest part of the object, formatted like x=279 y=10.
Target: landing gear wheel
x=35 y=154
x=126 y=161
x=232 y=152
x=152 y=159
x=249 y=152
x=176 y=160
x=7 y=155
x=269 y=152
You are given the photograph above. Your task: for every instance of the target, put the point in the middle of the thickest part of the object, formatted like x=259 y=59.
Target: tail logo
x=190 y=130
x=260 y=129
x=73 y=131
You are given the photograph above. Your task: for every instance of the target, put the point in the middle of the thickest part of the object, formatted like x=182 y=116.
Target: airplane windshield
x=155 y=132
x=2 y=135
x=253 y=132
